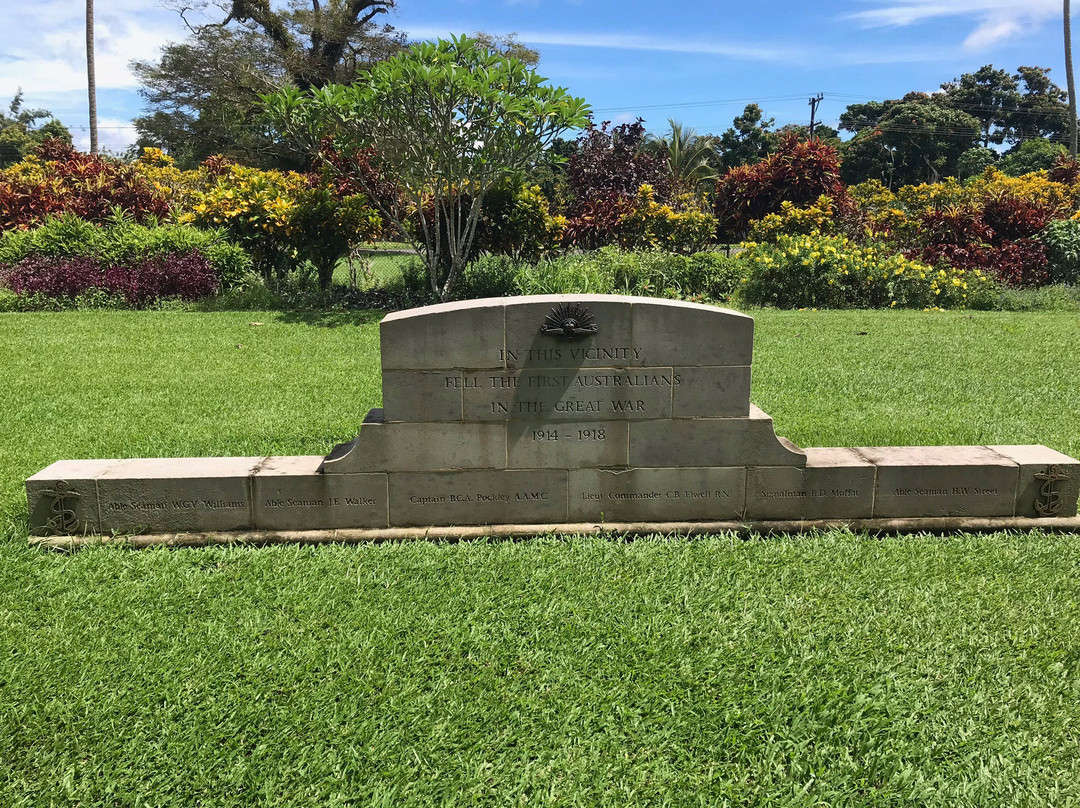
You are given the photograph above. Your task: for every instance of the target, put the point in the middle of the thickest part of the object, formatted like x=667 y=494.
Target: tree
x=1037 y=154
x=1043 y=110
x=690 y=158
x=91 y=80
x=508 y=45
x=991 y=96
x=202 y=94
x=748 y=140
x=975 y=161
x=20 y=132
x=316 y=42
x=447 y=120
x=1069 y=79
x=823 y=132
x=859 y=117
x=926 y=139
x=612 y=161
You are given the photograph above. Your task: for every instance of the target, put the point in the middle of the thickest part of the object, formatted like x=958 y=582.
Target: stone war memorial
x=518 y=416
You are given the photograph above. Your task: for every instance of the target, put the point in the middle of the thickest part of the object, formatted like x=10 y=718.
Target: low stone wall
x=556 y=410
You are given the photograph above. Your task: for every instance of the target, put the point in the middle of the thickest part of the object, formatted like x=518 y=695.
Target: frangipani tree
x=445 y=121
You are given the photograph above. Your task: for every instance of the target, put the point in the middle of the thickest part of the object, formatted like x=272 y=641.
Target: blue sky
x=699 y=62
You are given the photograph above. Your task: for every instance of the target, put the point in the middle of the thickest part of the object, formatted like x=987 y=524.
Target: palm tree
x=690 y=157
x=1069 y=80
x=91 y=81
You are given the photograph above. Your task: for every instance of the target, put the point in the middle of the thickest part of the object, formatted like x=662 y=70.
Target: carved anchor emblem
x=1050 y=504
x=63 y=518
x=569 y=322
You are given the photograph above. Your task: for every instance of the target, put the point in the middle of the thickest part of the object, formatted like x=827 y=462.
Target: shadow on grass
x=331 y=319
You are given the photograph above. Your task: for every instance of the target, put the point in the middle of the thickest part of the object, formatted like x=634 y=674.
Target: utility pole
x=813 y=111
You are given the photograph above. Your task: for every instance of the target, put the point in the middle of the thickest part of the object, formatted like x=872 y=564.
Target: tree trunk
x=91 y=81
x=1070 y=81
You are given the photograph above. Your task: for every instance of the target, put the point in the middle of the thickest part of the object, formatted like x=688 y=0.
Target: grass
x=830 y=669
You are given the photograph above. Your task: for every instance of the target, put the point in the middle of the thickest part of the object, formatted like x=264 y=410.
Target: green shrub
x=1062 y=240
x=652 y=273
x=579 y=274
x=652 y=226
x=517 y=222
x=833 y=272
x=122 y=242
x=489 y=276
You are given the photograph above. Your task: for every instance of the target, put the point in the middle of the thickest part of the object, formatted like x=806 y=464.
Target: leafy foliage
x=184 y=276
x=815 y=271
x=517 y=222
x=125 y=243
x=62 y=180
x=1032 y=155
x=21 y=131
x=1062 y=240
x=798 y=172
x=749 y=140
x=449 y=120
x=613 y=162
x=649 y=225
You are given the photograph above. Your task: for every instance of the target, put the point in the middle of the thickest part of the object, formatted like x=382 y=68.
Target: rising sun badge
x=569 y=322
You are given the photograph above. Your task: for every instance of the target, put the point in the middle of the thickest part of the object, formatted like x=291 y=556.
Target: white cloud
x=635 y=42
x=114 y=135
x=996 y=19
x=43 y=44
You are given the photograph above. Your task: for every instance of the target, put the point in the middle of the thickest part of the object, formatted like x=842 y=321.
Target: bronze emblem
x=569 y=322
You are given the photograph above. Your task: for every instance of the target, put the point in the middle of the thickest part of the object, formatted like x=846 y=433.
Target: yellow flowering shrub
x=818 y=217
x=518 y=222
x=808 y=271
x=652 y=226
x=1035 y=189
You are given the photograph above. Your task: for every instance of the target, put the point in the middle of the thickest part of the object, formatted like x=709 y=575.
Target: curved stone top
x=504 y=333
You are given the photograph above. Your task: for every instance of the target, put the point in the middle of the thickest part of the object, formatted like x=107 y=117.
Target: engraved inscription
x=62 y=517
x=569 y=435
x=593 y=496
x=602 y=393
x=955 y=491
x=329 y=502
x=811 y=493
x=1050 y=503
x=175 y=505
x=611 y=353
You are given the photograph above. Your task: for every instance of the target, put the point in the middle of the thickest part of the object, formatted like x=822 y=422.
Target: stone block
x=478 y=497
x=656 y=495
x=63 y=498
x=468 y=334
x=415 y=395
x=567 y=444
x=612 y=346
x=834 y=484
x=408 y=447
x=560 y=394
x=688 y=334
x=711 y=442
x=711 y=392
x=931 y=481
x=168 y=495
x=288 y=493
x=1049 y=481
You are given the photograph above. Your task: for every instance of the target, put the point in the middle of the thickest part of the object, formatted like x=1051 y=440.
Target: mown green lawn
x=819 y=670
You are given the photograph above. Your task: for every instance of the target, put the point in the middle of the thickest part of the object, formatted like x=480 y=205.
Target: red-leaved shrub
x=87 y=185
x=187 y=276
x=799 y=171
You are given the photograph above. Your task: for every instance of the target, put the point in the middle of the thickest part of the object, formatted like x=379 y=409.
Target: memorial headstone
x=554 y=410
